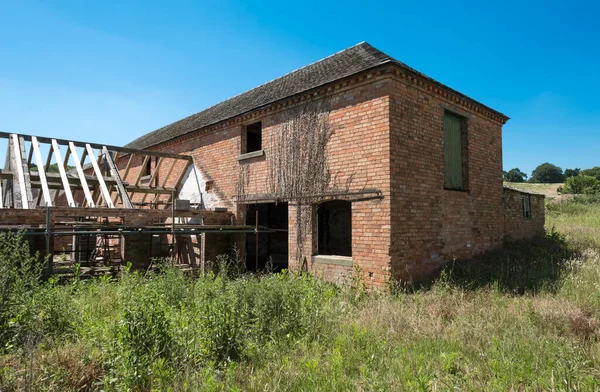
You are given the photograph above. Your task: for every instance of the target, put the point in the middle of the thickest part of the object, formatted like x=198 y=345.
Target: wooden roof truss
x=87 y=170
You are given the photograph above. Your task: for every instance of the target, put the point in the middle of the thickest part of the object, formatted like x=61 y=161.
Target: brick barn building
x=413 y=170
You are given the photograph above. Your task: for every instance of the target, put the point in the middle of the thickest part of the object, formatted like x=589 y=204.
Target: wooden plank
x=46 y=166
x=63 y=174
x=66 y=160
x=73 y=178
x=83 y=156
x=127 y=167
x=115 y=174
x=188 y=164
x=103 y=188
x=20 y=171
x=150 y=189
x=35 y=147
x=30 y=157
x=140 y=174
x=84 y=184
x=164 y=181
x=153 y=177
x=110 y=188
x=123 y=150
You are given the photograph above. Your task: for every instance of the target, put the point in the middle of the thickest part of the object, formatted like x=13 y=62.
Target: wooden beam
x=114 y=172
x=84 y=184
x=150 y=189
x=30 y=156
x=128 y=167
x=83 y=156
x=63 y=174
x=46 y=166
x=153 y=177
x=103 y=188
x=20 y=171
x=35 y=147
x=164 y=181
x=73 y=178
x=110 y=187
x=178 y=182
x=140 y=174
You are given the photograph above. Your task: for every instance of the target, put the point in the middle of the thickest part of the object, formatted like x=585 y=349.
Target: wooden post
x=100 y=176
x=18 y=162
x=35 y=147
x=63 y=174
x=84 y=184
x=114 y=173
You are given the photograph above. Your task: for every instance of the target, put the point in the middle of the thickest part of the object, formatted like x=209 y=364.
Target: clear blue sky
x=112 y=71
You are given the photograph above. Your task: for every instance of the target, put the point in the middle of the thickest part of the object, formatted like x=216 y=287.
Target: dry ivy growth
x=298 y=170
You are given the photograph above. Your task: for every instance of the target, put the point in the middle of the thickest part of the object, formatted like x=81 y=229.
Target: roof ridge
x=344 y=63
x=296 y=70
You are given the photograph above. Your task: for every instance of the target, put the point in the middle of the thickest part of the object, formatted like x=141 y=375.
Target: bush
x=20 y=274
x=143 y=345
x=581 y=184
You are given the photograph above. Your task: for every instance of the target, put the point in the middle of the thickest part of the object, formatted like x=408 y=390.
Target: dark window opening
x=148 y=167
x=334 y=228
x=253 y=137
x=526 y=207
x=455 y=152
x=272 y=247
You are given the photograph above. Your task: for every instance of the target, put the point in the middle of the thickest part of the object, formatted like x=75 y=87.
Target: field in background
x=545 y=189
x=522 y=319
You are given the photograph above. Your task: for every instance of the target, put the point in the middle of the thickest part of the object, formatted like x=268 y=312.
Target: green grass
x=524 y=318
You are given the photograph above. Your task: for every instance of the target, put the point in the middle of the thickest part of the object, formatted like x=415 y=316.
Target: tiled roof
x=353 y=60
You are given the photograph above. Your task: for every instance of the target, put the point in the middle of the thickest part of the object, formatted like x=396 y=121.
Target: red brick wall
x=515 y=225
x=388 y=136
x=430 y=224
x=358 y=154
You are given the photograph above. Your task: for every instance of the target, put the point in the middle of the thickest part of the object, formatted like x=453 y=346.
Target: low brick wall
x=516 y=225
x=136 y=248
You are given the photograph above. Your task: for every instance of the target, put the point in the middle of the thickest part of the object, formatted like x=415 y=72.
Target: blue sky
x=112 y=71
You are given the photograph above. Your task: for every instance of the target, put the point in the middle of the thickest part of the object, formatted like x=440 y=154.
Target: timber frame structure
x=27 y=184
x=76 y=207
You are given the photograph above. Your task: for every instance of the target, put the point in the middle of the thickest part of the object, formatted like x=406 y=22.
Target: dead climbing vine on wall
x=299 y=171
x=298 y=168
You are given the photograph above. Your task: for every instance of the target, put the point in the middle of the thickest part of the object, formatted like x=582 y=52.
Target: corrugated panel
x=452 y=152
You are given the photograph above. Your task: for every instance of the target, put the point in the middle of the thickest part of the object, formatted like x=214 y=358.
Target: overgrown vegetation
x=524 y=318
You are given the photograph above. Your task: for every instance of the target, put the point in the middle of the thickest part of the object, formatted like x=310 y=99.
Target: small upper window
x=253 y=137
x=148 y=167
x=527 y=207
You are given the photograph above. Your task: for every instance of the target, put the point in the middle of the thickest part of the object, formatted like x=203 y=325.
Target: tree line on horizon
x=575 y=180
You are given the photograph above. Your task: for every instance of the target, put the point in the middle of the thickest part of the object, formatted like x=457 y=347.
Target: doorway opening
x=272 y=246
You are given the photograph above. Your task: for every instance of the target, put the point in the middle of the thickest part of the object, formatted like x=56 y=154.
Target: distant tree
x=547 y=173
x=593 y=172
x=571 y=172
x=582 y=184
x=515 y=175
